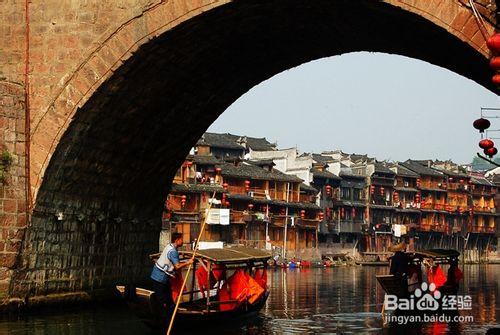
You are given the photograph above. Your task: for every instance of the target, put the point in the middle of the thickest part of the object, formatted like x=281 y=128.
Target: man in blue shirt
x=164 y=269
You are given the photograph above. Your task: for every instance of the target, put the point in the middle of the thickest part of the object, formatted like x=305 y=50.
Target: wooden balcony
x=308 y=223
x=482 y=229
x=441 y=228
x=240 y=217
x=261 y=193
x=484 y=209
x=458 y=187
x=278 y=220
x=307 y=198
x=433 y=185
x=185 y=216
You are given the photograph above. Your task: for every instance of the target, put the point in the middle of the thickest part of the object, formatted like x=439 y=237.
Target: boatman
x=399 y=265
x=164 y=270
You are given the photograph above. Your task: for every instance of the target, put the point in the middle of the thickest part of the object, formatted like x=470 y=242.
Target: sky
x=387 y=106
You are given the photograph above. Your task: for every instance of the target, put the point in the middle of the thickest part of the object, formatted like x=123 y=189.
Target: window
x=356 y=194
x=345 y=193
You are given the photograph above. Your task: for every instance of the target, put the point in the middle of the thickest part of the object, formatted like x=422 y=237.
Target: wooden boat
x=392 y=285
x=203 y=305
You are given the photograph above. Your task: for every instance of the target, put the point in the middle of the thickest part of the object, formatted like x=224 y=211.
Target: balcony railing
x=310 y=223
x=483 y=209
x=434 y=185
x=185 y=216
x=439 y=227
x=261 y=193
x=240 y=217
x=279 y=220
x=482 y=229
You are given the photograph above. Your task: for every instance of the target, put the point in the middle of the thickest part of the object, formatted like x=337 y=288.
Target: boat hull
x=144 y=305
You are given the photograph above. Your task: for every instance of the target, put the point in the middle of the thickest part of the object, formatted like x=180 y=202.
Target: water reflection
x=308 y=301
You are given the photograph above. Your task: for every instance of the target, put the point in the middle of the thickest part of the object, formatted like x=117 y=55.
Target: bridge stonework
x=119 y=90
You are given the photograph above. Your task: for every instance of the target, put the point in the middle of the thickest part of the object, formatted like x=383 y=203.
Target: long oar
x=190 y=265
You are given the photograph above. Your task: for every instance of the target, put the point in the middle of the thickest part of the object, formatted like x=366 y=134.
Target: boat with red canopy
x=236 y=287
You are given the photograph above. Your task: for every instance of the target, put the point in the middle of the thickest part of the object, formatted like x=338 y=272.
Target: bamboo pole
x=190 y=265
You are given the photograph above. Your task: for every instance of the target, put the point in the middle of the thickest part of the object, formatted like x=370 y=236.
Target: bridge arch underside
x=110 y=171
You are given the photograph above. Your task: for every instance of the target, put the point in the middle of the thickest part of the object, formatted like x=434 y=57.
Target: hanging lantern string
x=479 y=20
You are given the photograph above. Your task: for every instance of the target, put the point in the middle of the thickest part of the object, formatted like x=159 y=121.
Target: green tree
x=479 y=164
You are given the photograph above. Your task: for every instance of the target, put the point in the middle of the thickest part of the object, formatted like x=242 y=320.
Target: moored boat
x=236 y=288
x=392 y=284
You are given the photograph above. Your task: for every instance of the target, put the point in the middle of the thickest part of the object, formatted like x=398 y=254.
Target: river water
x=342 y=300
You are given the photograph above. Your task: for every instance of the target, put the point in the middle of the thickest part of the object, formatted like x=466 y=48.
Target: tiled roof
x=250 y=171
x=307 y=188
x=204 y=159
x=262 y=162
x=225 y=141
x=405 y=172
x=259 y=144
x=349 y=174
x=381 y=168
x=352 y=203
x=300 y=205
x=481 y=181
x=196 y=188
x=324 y=175
x=405 y=189
x=322 y=159
x=421 y=169
x=452 y=173
x=230 y=141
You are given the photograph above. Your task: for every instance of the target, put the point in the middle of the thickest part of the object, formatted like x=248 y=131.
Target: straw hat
x=398 y=247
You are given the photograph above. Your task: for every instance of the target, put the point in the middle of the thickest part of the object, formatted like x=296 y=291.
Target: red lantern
x=250 y=206
x=302 y=214
x=495 y=63
x=486 y=144
x=353 y=212
x=496 y=79
x=382 y=190
x=321 y=216
x=188 y=164
x=418 y=182
x=225 y=186
x=247 y=185
x=228 y=204
x=417 y=197
x=481 y=124
x=372 y=189
x=490 y=152
x=328 y=213
x=396 y=196
x=328 y=190
x=218 y=170
x=342 y=212
x=183 y=200
x=493 y=43
x=462 y=181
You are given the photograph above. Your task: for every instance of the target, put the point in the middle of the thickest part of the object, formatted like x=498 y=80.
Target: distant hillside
x=479 y=164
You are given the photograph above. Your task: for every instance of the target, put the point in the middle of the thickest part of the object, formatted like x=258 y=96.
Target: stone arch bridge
x=101 y=100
